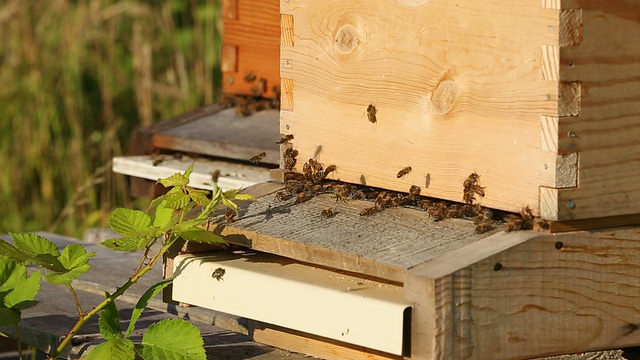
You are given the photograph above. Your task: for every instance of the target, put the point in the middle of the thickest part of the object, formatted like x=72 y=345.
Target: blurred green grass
x=76 y=77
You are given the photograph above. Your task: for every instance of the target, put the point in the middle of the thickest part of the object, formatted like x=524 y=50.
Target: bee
x=404 y=172
x=437 y=211
x=293 y=186
x=308 y=172
x=340 y=192
x=291 y=153
x=281 y=196
x=322 y=174
x=371 y=113
x=262 y=85
x=215 y=175
x=302 y=197
x=284 y=138
x=218 y=273
x=483 y=227
x=256 y=159
x=256 y=91
x=358 y=195
x=363 y=181
x=542 y=224
x=250 y=77
x=316 y=189
x=414 y=193
x=158 y=161
x=454 y=212
x=369 y=211
x=289 y=163
x=512 y=223
x=471 y=186
x=527 y=218
x=327 y=213
x=230 y=215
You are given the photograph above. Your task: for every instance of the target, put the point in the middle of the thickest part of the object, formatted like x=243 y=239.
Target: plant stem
x=76 y=300
x=121 y=290
x=18 y=341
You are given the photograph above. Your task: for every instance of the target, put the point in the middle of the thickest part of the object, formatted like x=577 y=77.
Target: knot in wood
x=346 y=39
x=444 y=97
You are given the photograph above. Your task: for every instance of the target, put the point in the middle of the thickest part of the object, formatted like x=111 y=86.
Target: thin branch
x=77 y=301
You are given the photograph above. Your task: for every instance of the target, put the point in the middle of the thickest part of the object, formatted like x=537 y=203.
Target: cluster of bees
x=247 y=105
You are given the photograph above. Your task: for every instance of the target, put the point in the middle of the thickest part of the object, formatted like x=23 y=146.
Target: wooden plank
x=383 y=246
x=232 y=175
x=251 y=44
x=312 y=345
x=227 y=135
x=458 y=88
x=544 y=295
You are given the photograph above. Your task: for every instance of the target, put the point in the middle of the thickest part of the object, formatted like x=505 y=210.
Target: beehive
x=250 y=46
x=540 y=98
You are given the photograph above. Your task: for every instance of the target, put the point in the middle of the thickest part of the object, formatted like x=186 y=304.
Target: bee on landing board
x=218 y=273
x=250 y=77
x=327 y=213
x=371 y=113
x=256 y=159
x=404 y=172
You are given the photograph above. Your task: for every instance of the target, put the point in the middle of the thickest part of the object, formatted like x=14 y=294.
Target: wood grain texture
x=252 y=29
x=531 y=295
x=383 y=246
x=225 y=134
x=454 y=93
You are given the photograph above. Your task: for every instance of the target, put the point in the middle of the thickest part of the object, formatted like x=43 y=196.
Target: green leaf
x=176 y=199
x=39 y=251
x=109 y=321
x=172 y=339
x=144 y=301
x=66 y=277
x=121 y=349
x=17 y=290
x=202 y=236
x=75 y=255
x=13 y=253
x=245 y=197
x=163 y=216
x=231 y=194
x=176 y=179
x=121 y=244
x=9 y=316
x=144 y=242
x=199 y=196
x=189 y=225
x=125 y=221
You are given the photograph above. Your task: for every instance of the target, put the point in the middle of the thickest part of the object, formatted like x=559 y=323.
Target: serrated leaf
x=67 y=277
x=17 y=290
x=109 y=321
x=163 y=216
x=200 y=196
x=230 y=194
x=121 y=349
x=9 y=316
x=125 y=221
x=144 y=242
x=40 y=251
x=188 y=225
x=245 y=197
x=144 y=301
x=74 y=255
x=177 y=200
x=176 y=179
x=202 y=236
x=13 y=253
x=121 y=244
x=187 y=173
x=172 y=339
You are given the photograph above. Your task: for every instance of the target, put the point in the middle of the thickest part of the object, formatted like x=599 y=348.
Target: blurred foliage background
x=76 y=77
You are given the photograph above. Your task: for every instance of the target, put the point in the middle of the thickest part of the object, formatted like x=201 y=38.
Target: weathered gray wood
x=384 y=245
x=225 y=134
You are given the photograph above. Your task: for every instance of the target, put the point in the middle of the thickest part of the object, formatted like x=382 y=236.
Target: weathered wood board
x=529 y=295
x=251 y=44
x=538 y=98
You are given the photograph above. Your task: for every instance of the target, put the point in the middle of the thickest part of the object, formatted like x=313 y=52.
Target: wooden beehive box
x=250 y=46
x=540 y=98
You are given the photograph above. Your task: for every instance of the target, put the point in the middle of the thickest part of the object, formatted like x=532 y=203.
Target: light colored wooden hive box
x=541 y=98
x=251 y=44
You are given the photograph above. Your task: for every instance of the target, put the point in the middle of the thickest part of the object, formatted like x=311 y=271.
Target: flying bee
x=262 y=85
x=483 y=227
x=327 y=213
x=404 y=172
x=256 y=159
x=250 y=77
x=215 y=175
x=371 y=113
x=218 y=273
x=363 y=181
x=369 y=211
x=284 y=138
x=230 y=215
